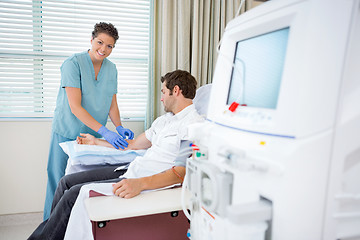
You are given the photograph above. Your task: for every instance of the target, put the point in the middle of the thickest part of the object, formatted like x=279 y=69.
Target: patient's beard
x=169 y=103
x=166 y=109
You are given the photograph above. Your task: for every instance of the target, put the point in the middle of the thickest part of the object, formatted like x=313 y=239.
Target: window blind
x=37 y=36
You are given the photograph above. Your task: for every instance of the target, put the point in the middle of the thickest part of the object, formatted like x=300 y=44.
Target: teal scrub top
x=96 y=95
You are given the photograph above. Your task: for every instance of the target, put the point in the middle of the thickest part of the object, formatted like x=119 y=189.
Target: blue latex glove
x=125 y=132
x=115 y=140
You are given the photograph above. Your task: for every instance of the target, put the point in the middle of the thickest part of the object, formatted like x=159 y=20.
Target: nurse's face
x=167 y=98
x=101 y=46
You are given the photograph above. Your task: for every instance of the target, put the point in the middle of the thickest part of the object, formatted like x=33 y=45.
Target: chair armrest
x=104 y=208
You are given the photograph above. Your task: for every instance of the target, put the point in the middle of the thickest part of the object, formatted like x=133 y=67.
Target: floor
x=19 y=226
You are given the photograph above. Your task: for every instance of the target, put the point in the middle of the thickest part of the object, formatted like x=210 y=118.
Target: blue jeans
x=64 y=199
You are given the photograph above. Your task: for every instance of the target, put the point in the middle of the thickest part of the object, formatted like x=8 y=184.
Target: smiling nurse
x=87 y=96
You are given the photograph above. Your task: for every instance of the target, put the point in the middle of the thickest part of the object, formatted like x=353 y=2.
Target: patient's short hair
x=186 y=82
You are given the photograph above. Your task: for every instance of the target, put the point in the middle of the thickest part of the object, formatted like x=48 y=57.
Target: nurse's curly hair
x=107 y=28
x=186 y=82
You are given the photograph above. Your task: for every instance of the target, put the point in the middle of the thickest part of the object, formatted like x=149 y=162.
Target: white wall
x=23 y=161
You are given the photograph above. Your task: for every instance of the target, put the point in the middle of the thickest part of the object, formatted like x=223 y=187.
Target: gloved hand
x=125 y=132
x=115 y=140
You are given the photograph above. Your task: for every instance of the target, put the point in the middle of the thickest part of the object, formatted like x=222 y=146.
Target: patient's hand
x=128 y=188
x=86 y=138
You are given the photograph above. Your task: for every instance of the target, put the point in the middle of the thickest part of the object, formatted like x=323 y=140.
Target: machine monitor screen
x=257 y=70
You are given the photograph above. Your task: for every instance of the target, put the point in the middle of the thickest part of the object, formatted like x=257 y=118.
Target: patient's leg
x=70 y=180
x=55 y=226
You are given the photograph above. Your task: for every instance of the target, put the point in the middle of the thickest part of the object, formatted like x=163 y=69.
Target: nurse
x=86 y=98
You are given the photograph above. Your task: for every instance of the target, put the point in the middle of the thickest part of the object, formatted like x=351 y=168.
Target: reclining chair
x=153 y=215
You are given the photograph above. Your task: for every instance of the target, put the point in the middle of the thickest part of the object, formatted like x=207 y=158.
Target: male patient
x=156 y=169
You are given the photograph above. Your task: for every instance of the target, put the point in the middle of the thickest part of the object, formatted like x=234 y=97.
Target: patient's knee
x=63 y=185
x=71 y=194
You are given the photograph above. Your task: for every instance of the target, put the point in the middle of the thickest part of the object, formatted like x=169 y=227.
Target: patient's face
x=167 y=99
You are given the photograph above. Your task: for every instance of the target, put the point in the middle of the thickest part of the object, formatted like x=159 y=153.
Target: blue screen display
x=257 y=70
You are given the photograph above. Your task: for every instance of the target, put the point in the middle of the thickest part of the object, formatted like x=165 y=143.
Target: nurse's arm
x=74 y=98
x=114 y=112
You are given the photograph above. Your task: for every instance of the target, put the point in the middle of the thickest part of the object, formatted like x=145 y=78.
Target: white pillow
x=201 y=100
x=81 y=154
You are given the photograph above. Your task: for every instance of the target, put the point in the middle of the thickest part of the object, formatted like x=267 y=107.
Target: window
x=37 y=36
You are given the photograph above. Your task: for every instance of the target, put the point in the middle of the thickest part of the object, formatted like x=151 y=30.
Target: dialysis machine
x=279 y=154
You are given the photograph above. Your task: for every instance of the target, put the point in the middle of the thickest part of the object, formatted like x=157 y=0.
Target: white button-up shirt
x=165 y=135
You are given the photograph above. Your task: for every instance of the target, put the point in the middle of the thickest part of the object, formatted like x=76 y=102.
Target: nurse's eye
x=99 y=42
x=110 y=47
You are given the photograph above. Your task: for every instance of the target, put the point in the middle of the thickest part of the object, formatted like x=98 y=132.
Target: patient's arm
x=141 y=142
x=89 y=139
x=128 y=188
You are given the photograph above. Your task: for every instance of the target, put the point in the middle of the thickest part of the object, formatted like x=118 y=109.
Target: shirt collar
x=185 y=111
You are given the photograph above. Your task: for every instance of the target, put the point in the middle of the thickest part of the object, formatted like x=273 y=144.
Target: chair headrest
x=202 y=98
